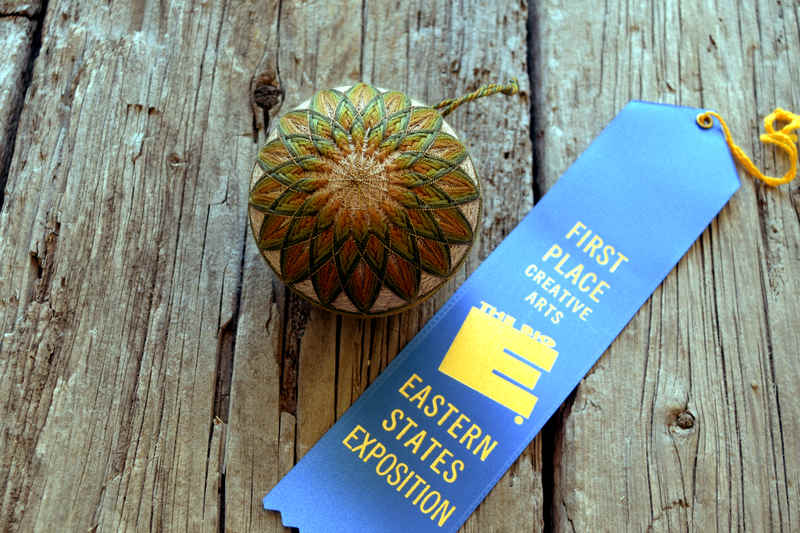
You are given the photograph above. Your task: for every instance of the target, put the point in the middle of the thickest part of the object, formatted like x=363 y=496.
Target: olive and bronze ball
x=364 y=201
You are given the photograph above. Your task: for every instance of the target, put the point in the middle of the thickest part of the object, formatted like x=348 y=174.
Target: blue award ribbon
x=427 y=441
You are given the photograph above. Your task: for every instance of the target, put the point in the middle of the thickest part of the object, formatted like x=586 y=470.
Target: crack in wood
x=267 y=95
x=43 y=263
x=9 y=137
x=226 y=350
x=296 y=314
x=552 y=430
x=146 y=468
x=533 y=55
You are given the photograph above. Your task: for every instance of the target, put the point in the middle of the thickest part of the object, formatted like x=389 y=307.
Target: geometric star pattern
x=363 y=202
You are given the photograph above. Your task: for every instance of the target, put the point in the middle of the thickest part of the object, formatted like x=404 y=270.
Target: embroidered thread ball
x=364 y=201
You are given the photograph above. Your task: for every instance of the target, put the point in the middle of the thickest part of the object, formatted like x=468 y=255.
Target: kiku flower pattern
x=361 y=202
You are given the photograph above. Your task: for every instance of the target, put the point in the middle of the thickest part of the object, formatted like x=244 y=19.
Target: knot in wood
x=266 y=93
x=685 y=420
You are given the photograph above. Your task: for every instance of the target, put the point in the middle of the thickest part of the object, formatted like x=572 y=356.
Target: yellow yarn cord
x=446 y=107
x=783 y=138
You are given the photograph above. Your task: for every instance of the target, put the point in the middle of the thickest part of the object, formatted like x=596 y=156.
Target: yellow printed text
x=399 y=475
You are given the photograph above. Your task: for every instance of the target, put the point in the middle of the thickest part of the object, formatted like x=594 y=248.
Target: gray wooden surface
x=155 y=376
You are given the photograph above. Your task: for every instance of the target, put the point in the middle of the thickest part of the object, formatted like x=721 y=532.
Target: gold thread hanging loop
x=446 y=107
x=783 y=138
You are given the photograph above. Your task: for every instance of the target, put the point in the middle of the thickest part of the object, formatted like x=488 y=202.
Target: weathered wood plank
x=319 y=48
x=16 y=35
x=689 y=421
x=256 y=447
x=430 y=50
x=451 y=49
x=25 y=8
x=153 y=374
x=121 y=244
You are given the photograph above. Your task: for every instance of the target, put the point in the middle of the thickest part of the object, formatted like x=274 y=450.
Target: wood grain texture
x=431 y=51
x=689 y=421
x=121 y=245
x=16 y=37
x=154 y=375
x=24 y=8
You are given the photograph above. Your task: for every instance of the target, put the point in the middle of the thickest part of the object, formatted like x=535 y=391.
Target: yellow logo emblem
x=497 y=360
